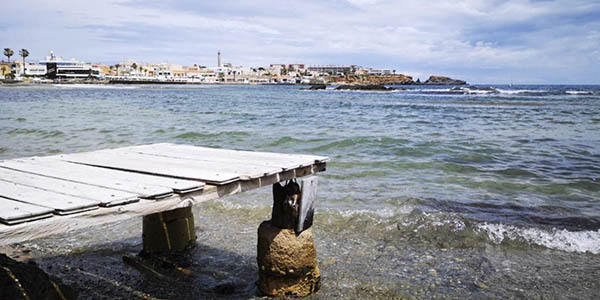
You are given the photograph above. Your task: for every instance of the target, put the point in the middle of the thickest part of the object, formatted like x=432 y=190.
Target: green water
x=429 y=193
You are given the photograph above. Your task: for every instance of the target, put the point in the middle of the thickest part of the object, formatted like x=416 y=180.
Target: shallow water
x=430 y=192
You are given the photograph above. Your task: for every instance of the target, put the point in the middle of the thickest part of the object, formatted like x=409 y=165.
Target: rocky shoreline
x=379 y=83
x=393 y=80
x=351 y=80
x=443 y=80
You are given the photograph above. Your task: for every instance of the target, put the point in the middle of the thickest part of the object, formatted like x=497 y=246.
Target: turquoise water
x=513 y=168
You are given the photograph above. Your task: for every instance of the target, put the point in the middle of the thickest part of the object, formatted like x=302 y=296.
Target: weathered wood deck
x=40 y=196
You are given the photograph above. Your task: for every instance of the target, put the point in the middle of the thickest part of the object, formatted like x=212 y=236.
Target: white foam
x=456 y=91
x=432 y=90
x=579 y=92
x=381 y=213
x=559 y=239
x=513 y=92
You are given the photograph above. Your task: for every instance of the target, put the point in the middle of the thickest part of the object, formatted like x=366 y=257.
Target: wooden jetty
x=40 y=196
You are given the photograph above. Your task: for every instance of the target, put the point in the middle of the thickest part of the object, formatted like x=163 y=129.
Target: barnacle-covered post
x=287 y=258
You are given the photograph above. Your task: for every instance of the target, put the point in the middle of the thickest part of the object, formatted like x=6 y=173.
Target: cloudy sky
x=526 y=41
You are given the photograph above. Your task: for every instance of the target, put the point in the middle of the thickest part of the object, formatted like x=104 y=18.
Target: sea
x=479 y=192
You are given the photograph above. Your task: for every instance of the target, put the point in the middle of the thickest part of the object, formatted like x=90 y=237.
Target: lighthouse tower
x=219 y=59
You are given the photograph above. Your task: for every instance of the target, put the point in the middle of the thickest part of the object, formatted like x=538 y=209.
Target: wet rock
x=480 y=285
x=20 y=280
x=443 y=80
x=227 y=288
x=367 y=87
x=287 y=264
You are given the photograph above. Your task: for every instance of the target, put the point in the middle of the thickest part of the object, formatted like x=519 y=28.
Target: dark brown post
x=168 y=232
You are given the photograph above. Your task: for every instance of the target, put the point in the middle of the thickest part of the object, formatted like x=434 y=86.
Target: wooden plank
x=62 y=204
x=241 y=168
x=14 y=212
x=153 y=165
x=266 y=167
x=107 y=197
x=88 y=175
x=29 y=231
x=277 y=160
x=308 y=197
x=177 y=185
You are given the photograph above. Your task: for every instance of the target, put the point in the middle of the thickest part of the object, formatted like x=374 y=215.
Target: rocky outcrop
x=443 y=80
x=368 y=87
x=317 y=87
x=287 y=263
x=20 y=280
x=398 y=79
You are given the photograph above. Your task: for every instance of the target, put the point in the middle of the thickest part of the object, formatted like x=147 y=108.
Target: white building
x=372 y=71
x=34 y=69
x=58 y=68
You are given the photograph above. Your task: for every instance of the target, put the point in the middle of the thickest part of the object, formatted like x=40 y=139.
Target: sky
x=521 y=41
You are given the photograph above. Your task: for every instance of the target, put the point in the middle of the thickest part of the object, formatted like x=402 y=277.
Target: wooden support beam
x=169 y=232
x=306 y=207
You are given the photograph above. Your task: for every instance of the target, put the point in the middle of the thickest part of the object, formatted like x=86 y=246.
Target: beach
x=431 y=192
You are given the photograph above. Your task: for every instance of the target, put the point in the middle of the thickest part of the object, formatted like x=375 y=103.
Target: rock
x=443 y=80
x=20 y=280
x=287 y=264
x=480 y=285
x=396 y=79
x=318 y=87
x=368 y=87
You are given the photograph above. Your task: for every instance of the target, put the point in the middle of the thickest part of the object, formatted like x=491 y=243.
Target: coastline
x=334 y=80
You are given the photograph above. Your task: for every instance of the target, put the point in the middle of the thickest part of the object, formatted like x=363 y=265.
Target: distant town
x=55 y=69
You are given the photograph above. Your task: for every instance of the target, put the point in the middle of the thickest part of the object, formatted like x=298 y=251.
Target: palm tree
x=117 y=67
x=8 y=53
x=24 y=53
x=134 y=66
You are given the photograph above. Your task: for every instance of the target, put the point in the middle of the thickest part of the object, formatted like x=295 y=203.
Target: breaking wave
x=559 y=239
x=482 y=90
x=451 y=230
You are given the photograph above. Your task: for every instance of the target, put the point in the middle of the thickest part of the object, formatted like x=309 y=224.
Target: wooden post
x=286 y=254
x=168 y=232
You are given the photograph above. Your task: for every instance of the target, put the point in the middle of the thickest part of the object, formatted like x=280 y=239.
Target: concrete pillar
x=169 y=231
x=286 y=254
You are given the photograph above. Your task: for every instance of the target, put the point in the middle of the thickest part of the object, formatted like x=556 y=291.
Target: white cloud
x=466 y=38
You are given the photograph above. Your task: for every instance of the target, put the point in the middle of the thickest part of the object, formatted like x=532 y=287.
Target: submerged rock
x=443 y=80
x=27 y=281
x=367 y=87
